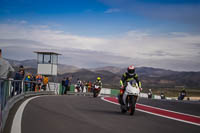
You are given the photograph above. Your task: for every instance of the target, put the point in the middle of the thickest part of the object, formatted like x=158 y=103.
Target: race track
x=84 y=114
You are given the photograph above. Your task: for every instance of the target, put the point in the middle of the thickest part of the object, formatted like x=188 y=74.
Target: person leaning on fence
x=34 y=83
x=5 y=73
x=19 y=76
x=28 y=80
x=21 y=68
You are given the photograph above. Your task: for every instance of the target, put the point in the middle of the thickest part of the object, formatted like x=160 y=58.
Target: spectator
x=34 y=83
x=28 y=80
x=90 y=86
x=5 y=73
x=63 y=86
x=19 y=76
x=83 y=86
x=69 y=84
x=5 y=68
x=45 y=82
x=21 y=68
x=39 y=82
x=66 y=85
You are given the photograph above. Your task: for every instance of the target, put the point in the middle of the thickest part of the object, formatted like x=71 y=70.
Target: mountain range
x=150 y=77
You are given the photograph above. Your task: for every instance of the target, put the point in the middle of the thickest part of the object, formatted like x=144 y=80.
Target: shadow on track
x=108 y=112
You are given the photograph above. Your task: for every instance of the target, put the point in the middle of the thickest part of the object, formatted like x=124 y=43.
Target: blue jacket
x=66 y=82
x=18 y=76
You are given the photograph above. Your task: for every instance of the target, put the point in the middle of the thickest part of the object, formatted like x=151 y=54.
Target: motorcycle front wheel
x=94 y=93
x=132 y=102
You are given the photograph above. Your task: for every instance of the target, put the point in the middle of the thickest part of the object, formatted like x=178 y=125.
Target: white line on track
x=159 y=114
x=168 y=117
x=169 y=110
x=16 y=125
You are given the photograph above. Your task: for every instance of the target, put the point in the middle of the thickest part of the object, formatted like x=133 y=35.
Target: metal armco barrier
x=12 y=91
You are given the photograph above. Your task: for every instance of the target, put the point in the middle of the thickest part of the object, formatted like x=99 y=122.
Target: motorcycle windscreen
x=132 y=90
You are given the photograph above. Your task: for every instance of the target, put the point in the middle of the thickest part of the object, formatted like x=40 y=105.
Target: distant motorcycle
x=149 y=95
x=182 y=95
x=162 y=96
x=96 y=90
x=78 y=87
x=129 y=98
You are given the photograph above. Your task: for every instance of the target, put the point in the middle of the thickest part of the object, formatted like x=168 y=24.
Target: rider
x=78 y=85
x=150 y=93
x=129 y=76
x=98 y=82
x=182 y=94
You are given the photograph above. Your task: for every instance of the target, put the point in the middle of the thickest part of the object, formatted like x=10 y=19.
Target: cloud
x=112 y=10
x=142 y=44
x=23 y=22
x=70 y=56
x=196 y=45
x=21 y=43
x=170 y=51
x=185 y=12
x=160 y=53
x=53 y=38
x=91 y=58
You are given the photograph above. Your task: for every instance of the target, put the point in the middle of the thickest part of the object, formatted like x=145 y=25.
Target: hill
x=109 y=79
x=108 y=68
x=62 y=68
x=150 y=77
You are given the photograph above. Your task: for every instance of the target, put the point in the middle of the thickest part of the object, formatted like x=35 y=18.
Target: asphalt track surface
x=84 y=114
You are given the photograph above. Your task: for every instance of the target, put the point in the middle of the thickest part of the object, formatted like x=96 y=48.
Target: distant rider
x=78 y=85
x=98 y=82
x=150 y=93
x=182 y=94
x=130 y=75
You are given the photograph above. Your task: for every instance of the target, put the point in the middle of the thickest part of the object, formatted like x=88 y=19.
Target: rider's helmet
x=98 y=78
x=131 y=70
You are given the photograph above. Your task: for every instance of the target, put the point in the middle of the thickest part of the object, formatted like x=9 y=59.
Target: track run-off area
x=85 y=114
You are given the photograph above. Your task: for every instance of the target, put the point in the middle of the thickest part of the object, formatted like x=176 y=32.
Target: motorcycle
x=96 y=90
x=149 y=95
x=182 y=95
x=162 y=96
x=78 y=87
x=128 y=98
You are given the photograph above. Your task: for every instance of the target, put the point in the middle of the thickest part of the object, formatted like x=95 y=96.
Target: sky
x=96 y=33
